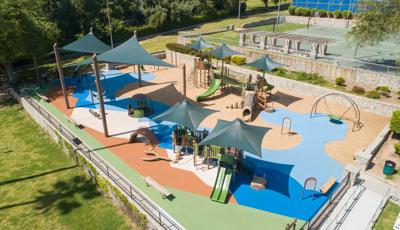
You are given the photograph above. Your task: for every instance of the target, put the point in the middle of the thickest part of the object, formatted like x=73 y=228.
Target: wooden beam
x=61 y=75
x=184 y=80
x=100 y=95
x=139 y=75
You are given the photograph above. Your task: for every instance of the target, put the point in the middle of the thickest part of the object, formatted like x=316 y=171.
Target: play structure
x=309 y=184
x=223 y=180
x=215 y=84
x=147 y=133
x=154 y=156
x=201 y=74
x=337 y=118
x=286 y=123
x=248 y=105
x=142 y=106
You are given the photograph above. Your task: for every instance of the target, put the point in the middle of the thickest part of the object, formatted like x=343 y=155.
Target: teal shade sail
x=264 y=63
x=237 y=134
x=131 y=53
x=200 y=45
x=223 y=51
x=185 y=113
x=87 y=44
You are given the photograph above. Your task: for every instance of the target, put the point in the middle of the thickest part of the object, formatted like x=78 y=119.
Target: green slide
x=215 y=84
x=224 y=175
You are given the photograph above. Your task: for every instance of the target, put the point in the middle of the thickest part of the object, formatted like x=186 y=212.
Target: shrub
x=298 y=11
x=373 y=94
x=179 y=48
x=305 y=12
x=313 y=11
x=337 y=14
x=384 y=90
x=395 y=122
x=322 y=13
x=397 y=148
x=330 y=14
x=347 y=14
x=292 y=10
x=238 y=60
x=227 y=59
x=398 y=92
x=358 y=90
x=340 y=81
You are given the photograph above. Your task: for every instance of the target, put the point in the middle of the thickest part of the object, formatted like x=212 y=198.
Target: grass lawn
x=388 y=217
x=40 y=187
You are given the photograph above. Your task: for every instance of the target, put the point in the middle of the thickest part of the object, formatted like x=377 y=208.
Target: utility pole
x=238 y=21
x=109 y=23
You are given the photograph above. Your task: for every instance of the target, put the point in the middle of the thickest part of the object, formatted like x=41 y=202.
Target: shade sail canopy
x=200 y=45
x=265 y=63
x=131 y=53
x=237 y=134
x=185 y=113
x=87 y=44
x=223 y=51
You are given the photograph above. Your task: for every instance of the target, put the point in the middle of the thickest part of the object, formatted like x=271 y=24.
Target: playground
x=304 y=141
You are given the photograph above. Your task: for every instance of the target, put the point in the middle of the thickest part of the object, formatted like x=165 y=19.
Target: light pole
x=240 y=1
x=278 y=17
x=109 y=22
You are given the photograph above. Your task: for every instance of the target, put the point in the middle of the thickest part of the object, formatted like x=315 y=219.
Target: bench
x=328 y=185
x=44 y=98
x=151 y=182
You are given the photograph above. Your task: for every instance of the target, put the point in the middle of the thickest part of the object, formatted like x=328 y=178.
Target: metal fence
x=320 y=216
x=144 y=203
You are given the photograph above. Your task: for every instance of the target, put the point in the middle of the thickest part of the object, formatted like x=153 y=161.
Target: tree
x=26 y=32
x=265 y=3
x=376 y=22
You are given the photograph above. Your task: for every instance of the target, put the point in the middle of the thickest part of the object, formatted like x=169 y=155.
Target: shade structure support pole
x=61 y=75
x=100 y=95
x=139 y=75
x=184 y=80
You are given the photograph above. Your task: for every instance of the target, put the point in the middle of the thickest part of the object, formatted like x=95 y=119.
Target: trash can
x=389 y=167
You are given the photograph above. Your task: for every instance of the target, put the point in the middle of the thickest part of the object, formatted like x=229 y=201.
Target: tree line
x=30 y=27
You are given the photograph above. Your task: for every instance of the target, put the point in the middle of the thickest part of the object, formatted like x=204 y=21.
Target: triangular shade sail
x=87 y=44
x=185 y=113
x=265 y=63
x=237 y=134
x=223 y=51
x=131 y=53
x=200 y=45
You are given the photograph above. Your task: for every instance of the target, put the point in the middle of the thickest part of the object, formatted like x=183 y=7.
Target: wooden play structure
x=147 y=133
x=154 y=156
x=141 y=106
x=201 y=74
x=334 y=116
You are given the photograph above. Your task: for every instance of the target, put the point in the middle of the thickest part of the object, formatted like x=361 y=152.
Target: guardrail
x=319 y=217
x=152 y=210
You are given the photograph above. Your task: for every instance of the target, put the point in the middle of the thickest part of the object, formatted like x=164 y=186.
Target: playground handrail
x=152 y=210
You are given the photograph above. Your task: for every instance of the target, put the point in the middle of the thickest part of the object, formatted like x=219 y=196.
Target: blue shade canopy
x=87 y=44
x=237 y=134
x=265 y=63
x=131 y=53
x=185 y=113
x=200 y=45
x=223 y=51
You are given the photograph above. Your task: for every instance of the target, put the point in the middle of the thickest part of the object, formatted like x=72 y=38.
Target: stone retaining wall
x=325 y=22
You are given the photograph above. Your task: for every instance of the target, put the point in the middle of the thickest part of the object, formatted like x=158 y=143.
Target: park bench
x=73 y=121
x=328 y=185
x=151 y=182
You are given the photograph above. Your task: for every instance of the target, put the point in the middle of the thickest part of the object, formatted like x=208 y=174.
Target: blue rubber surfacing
x=285 y=170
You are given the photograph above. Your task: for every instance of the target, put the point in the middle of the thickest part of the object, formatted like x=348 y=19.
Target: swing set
x=337 y=118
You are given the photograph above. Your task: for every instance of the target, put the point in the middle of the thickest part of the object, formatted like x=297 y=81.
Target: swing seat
x=334 y=118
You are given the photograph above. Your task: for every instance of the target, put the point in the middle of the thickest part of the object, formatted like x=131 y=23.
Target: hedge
x=306 y=12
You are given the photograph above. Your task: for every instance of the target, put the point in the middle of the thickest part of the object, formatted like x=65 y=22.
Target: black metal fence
x=152 y=210
x=320 y=216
